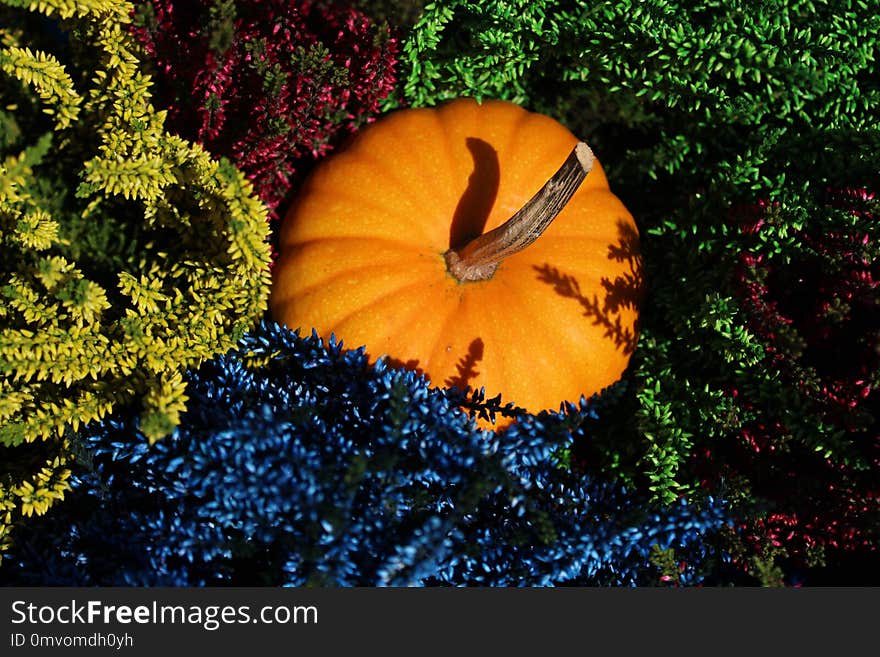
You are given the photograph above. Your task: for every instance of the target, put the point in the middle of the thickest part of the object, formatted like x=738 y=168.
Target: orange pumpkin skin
x=361 y=256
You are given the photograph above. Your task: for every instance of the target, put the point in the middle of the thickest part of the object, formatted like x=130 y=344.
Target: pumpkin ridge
x=545 y=339
x=403 y=244
x=413 y=223
x=579 y=220
x=404 y=328
x=510 y=149
x=336 y=275
x=420 y=194
x=334 y=327
x=498 y=371
x=438 y=353
x=350 y=196
x=546 y=147
x=447 y=145
x=514 y=129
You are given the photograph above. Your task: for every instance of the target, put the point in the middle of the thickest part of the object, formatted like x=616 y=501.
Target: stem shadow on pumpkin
x=625 y=291
x=472 y=212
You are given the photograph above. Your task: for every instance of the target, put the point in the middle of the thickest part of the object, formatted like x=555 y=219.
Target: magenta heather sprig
x=270 y=85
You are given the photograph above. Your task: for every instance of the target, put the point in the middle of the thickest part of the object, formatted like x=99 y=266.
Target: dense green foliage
x=710 y=90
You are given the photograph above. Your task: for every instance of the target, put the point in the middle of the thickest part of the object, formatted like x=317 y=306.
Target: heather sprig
x=296 y=463
x=270 y=85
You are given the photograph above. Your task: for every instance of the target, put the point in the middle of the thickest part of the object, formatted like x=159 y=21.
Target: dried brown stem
x=478 y=259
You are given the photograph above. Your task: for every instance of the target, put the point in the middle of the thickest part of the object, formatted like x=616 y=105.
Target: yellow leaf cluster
x=33 y=494
x=48 y=77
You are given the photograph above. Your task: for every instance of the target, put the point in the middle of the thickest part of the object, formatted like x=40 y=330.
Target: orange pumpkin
x=372 y=250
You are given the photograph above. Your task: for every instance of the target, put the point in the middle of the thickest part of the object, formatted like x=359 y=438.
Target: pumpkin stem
x=478 y=259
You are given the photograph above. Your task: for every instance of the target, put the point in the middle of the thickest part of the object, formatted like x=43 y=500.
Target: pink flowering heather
x=812 y=446
x=270 y=84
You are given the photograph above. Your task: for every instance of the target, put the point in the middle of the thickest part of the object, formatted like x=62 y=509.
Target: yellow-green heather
x=85 y=330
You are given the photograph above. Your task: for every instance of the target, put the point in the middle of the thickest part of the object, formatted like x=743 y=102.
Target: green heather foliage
x=710 y=88
x=128 y=253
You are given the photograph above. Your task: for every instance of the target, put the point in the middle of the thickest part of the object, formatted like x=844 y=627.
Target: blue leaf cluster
x=297 y=463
